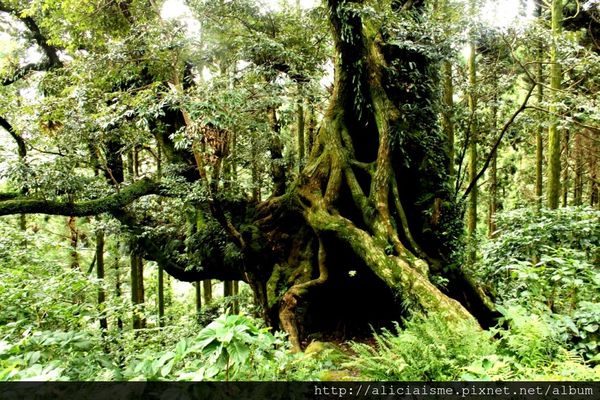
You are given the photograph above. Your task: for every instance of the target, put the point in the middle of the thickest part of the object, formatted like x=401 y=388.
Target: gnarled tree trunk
x=373 y=203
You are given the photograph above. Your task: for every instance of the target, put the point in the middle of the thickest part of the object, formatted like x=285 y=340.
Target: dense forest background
x=237 y=190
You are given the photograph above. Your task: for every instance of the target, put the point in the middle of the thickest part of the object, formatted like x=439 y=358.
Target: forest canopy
x=357 y=178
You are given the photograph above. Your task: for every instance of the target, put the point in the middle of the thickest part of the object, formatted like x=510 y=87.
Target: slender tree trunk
x=137 y=291
x=236 y=300
x=472 y=151
x=579 y=167
x=118 y=290
x=594 y=173
x=554 y=164
x=255 y=173
x=74 y=241
x=493 y=202
x=539 y=131
x=207 y=289
x=311 y=128
x=300 y=131
x=227 y=288
x=448 y=114
x=440 y=9
x=136 y=161
x=276 y=150
x=158 y=160
x=130 y=164
x=100 y=276
x=161 y=296
x=566 y=153
x=198 y=290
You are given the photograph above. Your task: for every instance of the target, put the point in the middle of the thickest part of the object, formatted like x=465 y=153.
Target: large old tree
x=360 y=236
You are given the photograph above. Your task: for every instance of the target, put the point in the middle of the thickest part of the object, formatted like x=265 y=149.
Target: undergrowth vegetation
x=543 y=270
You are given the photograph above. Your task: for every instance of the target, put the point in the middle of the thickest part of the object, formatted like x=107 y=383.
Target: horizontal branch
x=108 y=204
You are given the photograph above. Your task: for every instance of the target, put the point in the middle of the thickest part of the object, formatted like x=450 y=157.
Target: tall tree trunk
x=594 y=166
x=566 y=154
x=554 y=142
x=207 y=289
x=73 y=241
x=276 y=150
x=256 y=176
x=198 y=292
x=227 y=288
x=441 y=11
x=100 y=276
x=137 y=291
x=448 y=113
x=493 y=201
x=579 y=170
x=300 y=131
x=472 y=150
x=539 y=130
x=118 y=290
x=236 y=300
x=311 y=129
x=161 y=296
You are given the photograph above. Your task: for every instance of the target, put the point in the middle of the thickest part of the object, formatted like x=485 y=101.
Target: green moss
x=274 y=284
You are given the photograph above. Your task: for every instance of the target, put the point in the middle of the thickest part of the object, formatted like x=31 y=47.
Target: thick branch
x=112 y=203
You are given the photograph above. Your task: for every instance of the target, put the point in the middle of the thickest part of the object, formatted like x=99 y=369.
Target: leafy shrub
x=531 y=341
x=52 y=355
x=582 y=330
x=428 y=348
x=547 y=263
x=220 y=350
x=544 y=260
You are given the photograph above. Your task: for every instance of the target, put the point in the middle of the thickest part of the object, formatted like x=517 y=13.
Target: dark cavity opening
x=353 y=302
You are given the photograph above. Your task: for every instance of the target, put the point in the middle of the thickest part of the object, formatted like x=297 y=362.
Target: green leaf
x=166 y=369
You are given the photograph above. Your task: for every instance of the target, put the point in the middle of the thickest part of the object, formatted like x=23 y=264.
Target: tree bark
x=566 y=154
x=300 y=130
x=100 y=275
x=448 y=114
x=579 y=171
x=118 y=290
x=137 y=291
x=472 y=151
x=207 y=289
x=73 y=242
x=161 y=296
x=493 y=192
x=198 y=292
x=539 y=131
x=554 y=142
